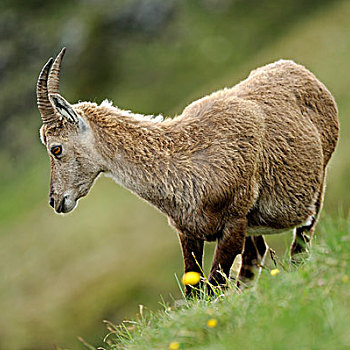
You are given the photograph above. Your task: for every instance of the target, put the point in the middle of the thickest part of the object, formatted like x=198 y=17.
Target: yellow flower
x=275 y=272
x=345 y=278
x=174 y=345
x=191 y=278
x=212 y=323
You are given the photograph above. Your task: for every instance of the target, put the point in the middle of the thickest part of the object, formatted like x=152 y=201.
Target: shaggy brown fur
x=248 y=160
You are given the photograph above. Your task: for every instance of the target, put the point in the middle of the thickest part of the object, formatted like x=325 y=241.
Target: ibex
x=239 y=163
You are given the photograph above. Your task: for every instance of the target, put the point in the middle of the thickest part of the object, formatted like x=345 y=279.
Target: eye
x=56 y=150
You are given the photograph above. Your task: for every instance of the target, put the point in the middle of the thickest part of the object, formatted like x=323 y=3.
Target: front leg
x=192 y=250
x=229 y=245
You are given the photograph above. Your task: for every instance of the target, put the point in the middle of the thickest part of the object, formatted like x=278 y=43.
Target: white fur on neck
x=153 y=118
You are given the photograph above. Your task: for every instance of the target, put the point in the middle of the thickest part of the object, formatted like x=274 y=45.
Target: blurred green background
x=60 y=276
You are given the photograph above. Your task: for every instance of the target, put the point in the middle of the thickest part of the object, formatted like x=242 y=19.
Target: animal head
x=69 y=141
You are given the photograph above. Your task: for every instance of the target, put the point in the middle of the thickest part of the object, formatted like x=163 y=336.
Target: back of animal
x=284 y=85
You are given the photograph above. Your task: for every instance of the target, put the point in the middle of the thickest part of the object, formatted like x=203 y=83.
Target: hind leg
x=302 y=236
x=255 y=251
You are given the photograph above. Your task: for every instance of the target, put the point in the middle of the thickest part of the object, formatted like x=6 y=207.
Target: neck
x=137 y=153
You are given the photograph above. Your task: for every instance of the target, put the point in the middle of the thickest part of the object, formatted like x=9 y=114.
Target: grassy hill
x=62 y=275
x=299 y=308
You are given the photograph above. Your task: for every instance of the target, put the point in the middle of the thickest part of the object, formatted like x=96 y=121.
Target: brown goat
x=239 y=163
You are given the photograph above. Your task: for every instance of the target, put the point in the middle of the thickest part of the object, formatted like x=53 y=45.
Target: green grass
x=300 y=308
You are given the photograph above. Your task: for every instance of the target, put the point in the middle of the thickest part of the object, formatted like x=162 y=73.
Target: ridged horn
x=48 y=114
x=53 y=84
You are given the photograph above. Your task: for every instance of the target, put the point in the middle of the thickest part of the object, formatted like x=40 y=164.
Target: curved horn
x=48 y=114
x=54 y=76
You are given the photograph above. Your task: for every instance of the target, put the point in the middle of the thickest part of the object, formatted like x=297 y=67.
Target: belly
x=264 y=230
x=253 y=230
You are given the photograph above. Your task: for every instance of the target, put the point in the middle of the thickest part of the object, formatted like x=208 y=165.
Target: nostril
x=52 y=202
x=61 y=206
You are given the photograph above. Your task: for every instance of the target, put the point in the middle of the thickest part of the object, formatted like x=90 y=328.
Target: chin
x=67 y=207
x=67 y=210
x=70 y=207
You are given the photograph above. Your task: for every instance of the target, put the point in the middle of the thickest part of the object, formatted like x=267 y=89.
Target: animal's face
x=74 y=166
x=69 y=141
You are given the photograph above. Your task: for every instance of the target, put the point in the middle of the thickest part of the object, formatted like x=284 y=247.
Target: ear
x=66 y=110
